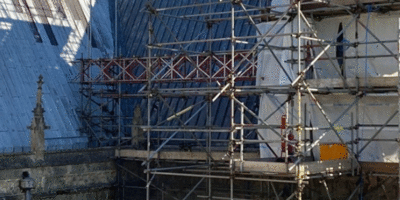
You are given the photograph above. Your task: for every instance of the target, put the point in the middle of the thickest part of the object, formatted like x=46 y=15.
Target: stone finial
x=38 y=125
x=137 y=133
x=39 y=93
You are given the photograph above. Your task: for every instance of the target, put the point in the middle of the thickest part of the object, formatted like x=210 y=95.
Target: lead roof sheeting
x=134 y=24
x=133 y=37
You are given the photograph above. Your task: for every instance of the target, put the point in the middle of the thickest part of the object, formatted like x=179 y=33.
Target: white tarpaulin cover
x=373 y=109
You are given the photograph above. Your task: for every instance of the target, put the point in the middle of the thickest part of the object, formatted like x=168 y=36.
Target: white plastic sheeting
x=384 y=26
x=271 y=73
x=373 y=109
x=22 y=60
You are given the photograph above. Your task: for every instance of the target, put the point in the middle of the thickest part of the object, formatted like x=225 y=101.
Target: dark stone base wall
x=341 y=187
x=85 y=173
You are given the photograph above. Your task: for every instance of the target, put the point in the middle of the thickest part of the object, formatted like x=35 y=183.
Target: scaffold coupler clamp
x=236 y=1
x=151 y=9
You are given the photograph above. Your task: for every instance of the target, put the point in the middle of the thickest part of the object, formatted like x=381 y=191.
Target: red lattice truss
x=198 y=68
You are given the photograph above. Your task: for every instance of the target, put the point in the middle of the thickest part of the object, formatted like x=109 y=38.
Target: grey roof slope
x=36 y=39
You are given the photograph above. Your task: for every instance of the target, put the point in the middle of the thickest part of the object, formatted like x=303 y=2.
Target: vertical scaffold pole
x=116 y=29
x=300 y=169
x=287 y=137
x=209 y=123
x=148 y=76
x=241 y=137
x=398 y=91
x=119 y=116
x=357 y=107
x=357 y=122
x=209 y=116
x=232 y=144
x=89 y=45
x=81 y=90
x=352 y=141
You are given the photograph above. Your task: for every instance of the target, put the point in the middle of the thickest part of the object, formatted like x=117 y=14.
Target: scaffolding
x=102 y=79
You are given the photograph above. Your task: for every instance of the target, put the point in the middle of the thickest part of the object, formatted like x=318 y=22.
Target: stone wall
x=60 y=174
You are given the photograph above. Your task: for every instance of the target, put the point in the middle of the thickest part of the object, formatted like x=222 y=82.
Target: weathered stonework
x=58 y=172
x=137 y=133
x=38 y=126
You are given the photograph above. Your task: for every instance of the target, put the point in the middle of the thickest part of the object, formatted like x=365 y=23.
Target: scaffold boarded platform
x=370 y=82
x=180 y=155
x=332 y=167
